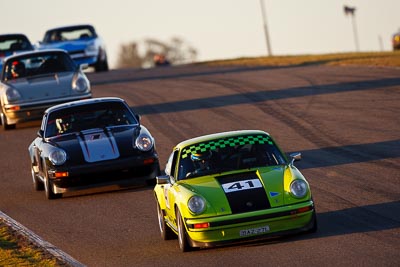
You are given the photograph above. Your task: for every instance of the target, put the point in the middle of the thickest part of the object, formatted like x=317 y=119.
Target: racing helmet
x=201 y=160
x=17 y=69
x=201 y=156
x=63 y=125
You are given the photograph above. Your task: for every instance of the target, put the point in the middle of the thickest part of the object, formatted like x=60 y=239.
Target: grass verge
x=17 y=250
x=381 y=59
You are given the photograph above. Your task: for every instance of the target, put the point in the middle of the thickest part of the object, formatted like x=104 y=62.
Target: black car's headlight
x=196 y=204
x=144 y=142
x=298 y=188
x=58 y=156
x=79 y=83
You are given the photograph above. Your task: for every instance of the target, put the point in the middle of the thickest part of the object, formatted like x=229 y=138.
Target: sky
x=217 y=29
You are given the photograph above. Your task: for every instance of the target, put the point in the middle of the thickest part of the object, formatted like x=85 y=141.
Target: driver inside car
x=201 y=162
x=63 y=125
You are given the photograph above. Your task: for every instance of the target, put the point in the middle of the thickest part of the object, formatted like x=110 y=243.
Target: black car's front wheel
x=166 y=232
x=48 y=188
x=182 y=235
x=37 y=184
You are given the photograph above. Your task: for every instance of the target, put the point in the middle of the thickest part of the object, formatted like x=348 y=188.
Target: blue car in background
x=81 y=42
x=13 y=43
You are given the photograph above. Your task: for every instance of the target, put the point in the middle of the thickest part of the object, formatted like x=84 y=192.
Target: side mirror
x=295 y=157
x=84 y=66
x=163 y=179
x=40 y=133
x=137 y=116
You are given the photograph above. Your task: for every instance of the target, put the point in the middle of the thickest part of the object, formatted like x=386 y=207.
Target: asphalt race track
x=344 y=120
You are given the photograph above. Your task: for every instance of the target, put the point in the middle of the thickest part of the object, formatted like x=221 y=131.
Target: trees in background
x=142 y=54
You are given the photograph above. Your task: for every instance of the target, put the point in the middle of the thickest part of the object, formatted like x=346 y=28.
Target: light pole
x=264 y=16
x=351 y=11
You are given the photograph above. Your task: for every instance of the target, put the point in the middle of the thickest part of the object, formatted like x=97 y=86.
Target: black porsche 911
x=88 y=143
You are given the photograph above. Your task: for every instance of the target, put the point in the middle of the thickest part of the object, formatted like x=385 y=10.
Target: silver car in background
x=33 y=81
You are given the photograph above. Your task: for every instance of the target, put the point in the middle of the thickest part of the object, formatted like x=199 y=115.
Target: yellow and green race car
x=232 y=186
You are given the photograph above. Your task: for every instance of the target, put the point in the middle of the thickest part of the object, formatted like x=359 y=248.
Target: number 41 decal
x=241 y=185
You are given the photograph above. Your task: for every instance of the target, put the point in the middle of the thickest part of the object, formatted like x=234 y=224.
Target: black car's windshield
x=80 y=118
x=227 y=154
x=34 y=64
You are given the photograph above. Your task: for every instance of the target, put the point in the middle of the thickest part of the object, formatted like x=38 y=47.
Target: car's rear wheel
x=182 y=235
x=166 y=232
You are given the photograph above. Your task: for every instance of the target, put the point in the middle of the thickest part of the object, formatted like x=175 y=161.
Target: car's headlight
x=196 y=204
x=144 y=142
x=58 y=156
x=13 y=95
x=91 y=48
x=79 y=83
x=298 y=188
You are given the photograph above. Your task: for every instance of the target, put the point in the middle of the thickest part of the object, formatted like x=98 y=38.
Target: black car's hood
x=98 y=144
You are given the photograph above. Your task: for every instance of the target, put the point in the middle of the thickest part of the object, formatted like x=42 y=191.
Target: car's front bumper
x=16 y=113
x=123 y=172
x=253 y=225
x=90 y=60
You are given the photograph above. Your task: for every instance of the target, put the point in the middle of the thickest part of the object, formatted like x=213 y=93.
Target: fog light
x=201 y=225
x=61 y=174
x=148 y=161
x=14 y=108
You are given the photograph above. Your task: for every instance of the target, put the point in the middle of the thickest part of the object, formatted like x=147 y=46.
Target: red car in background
x=396 y=41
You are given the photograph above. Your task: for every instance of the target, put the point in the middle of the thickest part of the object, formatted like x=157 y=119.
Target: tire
x=48 y=188
x=37 y=184
x=166 y=232
x=314 y=227
x=101 y=64
x=314 y=222
x=182 y=235
x=151 y=182
x=4 y=125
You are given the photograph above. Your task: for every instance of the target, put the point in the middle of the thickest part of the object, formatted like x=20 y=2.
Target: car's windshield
x=29 y=65
x=69 y=34
x=227 y=154
x=14 y=43
x=80 y=118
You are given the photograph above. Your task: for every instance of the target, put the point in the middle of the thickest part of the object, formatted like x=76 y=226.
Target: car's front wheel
x=48 y=188
x=182 y=236
x=314 y=224
x=4 y=123
x=37 y=184
x=166 y=232
x=102 y=63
